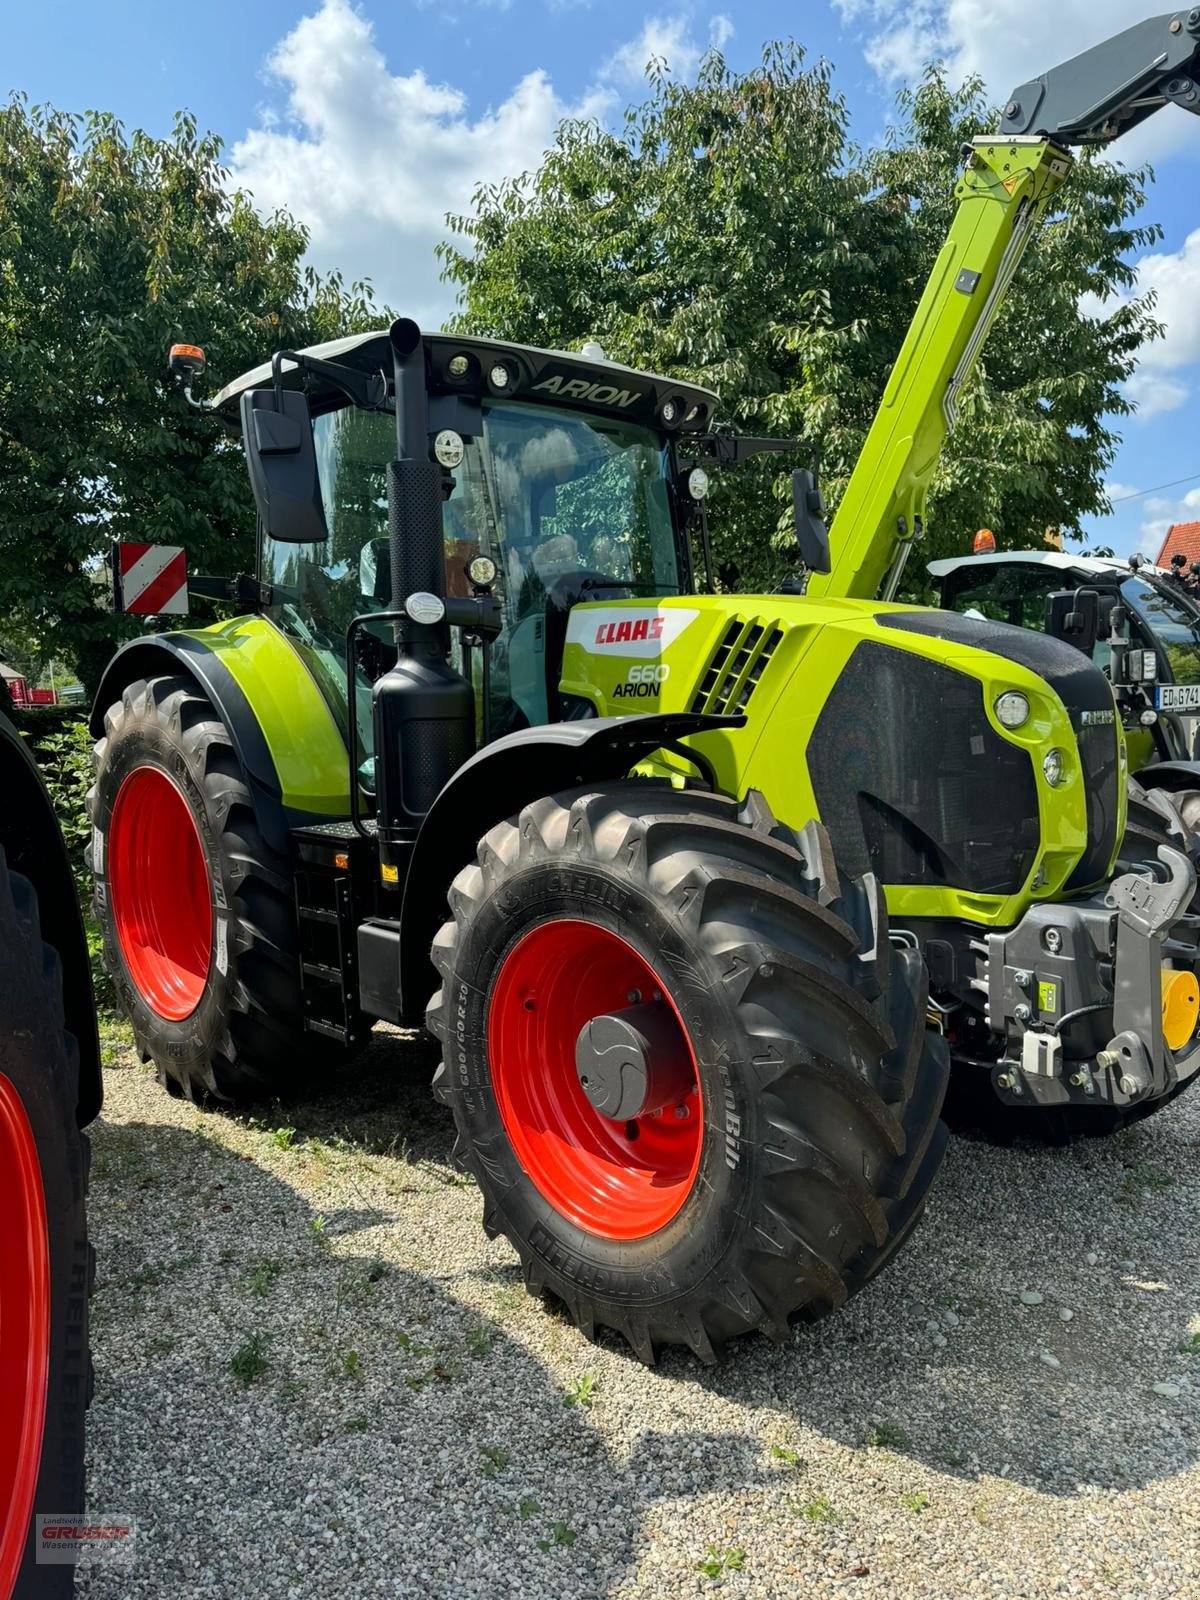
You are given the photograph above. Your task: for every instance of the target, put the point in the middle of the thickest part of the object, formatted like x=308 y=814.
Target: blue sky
x=369 y=121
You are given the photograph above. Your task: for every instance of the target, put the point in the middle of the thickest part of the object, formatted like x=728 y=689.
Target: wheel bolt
x=634 y=997
x=682 y=1113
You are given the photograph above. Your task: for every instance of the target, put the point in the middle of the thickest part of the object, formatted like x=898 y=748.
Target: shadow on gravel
x=942 y=1360
x=284 y=1415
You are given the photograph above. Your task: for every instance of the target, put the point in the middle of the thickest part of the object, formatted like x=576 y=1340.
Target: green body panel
x=302 y=736
x=1002 y=195
x=816 y=639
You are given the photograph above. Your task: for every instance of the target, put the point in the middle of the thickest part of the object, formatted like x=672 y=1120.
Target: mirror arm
x=368 y=391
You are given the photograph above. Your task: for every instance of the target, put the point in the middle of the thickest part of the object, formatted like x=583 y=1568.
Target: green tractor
x=731 y=880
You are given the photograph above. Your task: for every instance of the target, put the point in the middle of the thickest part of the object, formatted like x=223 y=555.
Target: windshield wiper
x=629 y=583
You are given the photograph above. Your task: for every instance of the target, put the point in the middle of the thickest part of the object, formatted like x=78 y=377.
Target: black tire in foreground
x=196 y=906
x=46 y=1263
x=688 y=1071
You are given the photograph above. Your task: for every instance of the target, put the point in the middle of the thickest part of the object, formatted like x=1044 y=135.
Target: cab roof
x=559 y=377
x=1093 y=566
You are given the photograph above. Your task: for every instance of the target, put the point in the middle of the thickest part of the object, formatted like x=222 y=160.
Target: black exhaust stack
x=424 y=711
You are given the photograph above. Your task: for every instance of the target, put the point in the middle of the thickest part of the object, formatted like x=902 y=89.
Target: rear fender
x=282 y=729
x=496 y=783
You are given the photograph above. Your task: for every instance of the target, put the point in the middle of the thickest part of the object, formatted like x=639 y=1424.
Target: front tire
x=790 y=1130
x=45 y=1258
x=200 y=931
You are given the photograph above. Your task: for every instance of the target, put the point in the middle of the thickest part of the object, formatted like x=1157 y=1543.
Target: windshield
x=568 y=506
x=1171 y=623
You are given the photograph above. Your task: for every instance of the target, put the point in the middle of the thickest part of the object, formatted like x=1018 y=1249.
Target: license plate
x=1177 y=697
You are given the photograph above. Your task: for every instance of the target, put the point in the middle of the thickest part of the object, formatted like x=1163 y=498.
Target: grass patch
x=717 y=1562
x=888 y=1436
x=495 y=1459
x=581 y=1391
x=1144 y=1179
x=818 y=1510
x=249 y=1361
x=915 y=1502
x=561 y=1533
x=791 y=1458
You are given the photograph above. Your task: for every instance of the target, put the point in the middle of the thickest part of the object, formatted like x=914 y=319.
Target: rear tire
x=45 y=1258
x=817 y=1088
x=205 y=961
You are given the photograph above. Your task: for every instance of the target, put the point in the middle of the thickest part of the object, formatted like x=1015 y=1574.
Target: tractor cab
x=564 y=477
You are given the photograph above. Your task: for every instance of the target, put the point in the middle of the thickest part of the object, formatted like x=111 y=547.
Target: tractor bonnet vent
x=737 y=664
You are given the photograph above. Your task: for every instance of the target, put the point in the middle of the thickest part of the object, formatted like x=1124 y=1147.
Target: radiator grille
x=737 y=664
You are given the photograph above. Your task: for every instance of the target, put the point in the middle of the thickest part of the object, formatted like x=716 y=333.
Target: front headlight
x=1054 y=768
x=1012 y=709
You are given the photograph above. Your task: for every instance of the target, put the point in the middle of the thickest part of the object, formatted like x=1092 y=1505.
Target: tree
x=112 y=247
x=731 y=233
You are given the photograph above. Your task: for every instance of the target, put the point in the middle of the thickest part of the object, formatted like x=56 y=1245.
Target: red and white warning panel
x=151 y=579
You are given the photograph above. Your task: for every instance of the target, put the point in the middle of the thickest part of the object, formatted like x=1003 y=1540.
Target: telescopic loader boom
x=1009 y=180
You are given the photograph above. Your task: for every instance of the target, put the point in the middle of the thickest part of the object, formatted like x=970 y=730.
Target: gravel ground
x=317 y=1377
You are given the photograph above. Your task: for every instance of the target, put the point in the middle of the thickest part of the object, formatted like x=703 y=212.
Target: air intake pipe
x=423 y=710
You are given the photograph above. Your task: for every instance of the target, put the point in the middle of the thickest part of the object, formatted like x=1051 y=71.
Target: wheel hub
x=629 y=1064
x=24 y=1328
x=613 y=1156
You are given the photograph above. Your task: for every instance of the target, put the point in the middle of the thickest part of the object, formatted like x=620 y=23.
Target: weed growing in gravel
x=1191 y=1345
x=1144 y=1179
x=581 y=1391
x=263 y=1275
x=495 y=1459
x=888 y=1436
x=357 y=1425
x=292 y=1388
x=528 y=1508
x=352 y=1364
x=717 y=1561
x=144 y=1278
x=316 y=1228
x=561 y=1533
x=249 y=1360
x=162 y=1344
x=818 y=1510
x=793 y=1458
x=915 y=1502
x=283 y=1138
x=410 y=1346
x=479 y=1342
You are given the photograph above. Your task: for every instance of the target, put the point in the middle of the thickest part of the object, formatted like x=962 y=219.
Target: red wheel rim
x=617 y=1180
x=24 y=1328
x=161 y=897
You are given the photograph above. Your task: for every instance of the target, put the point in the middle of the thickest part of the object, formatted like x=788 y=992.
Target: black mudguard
x=33 y=846
x=494 y=784
x=1173 y=775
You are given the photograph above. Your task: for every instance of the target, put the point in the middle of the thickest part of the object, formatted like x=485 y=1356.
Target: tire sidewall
x=40 y=1063
x=676 y=1258
x=143 y=741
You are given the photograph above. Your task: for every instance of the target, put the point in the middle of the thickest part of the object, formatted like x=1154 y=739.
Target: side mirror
x=1074 y=617
x=282 y=461
x=808 y=508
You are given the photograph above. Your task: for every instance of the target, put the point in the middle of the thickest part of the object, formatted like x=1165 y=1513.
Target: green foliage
x=888 y=1436
x=731 y=233
x=62 y=747
x=113 y=245
x=818 y=1510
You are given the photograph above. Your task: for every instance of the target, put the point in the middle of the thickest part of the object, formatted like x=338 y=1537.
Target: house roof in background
x=1182 y=538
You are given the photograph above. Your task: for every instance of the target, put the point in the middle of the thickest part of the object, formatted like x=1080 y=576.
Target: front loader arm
x=1010 y=179
x=1002 y=194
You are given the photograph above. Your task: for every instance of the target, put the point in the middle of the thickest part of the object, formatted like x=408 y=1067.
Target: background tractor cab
x=1136 y=621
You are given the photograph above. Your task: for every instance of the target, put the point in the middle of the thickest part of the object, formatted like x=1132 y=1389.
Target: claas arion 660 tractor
x=49 y=1089
x=730 y=879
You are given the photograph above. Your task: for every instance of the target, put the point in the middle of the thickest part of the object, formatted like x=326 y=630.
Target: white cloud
x=371 y=159
x=1161 y=382
x=1119 y=491
x=1006 y=41
x=1160 y=515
